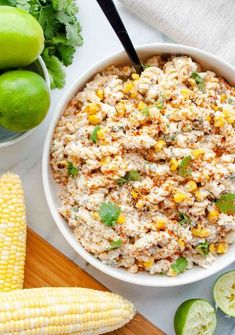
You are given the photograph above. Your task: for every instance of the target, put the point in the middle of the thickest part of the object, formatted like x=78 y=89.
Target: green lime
x=24 y=100
x=21 y=38
x=224 y=293
x=195 y=316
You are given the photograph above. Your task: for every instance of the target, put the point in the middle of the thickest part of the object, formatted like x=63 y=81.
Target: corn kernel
x=206 y=176
x=226 y=112
x=160 y=144
x=92 y=108
x=219 y=121
x=142 y=105
x=134 y=194
x=121 y=219
x=212 y=248
x=94 y=119
x=230 y=116
x=208 y=118
x=200 y=232
x=121 y=109
x=222 y=248
x=213 y=216
x=223 y=97
x=149 y=263
x=231 y=119
x=215 y=108
x=186 y=93
x=173 y=164
x=175 y=104
x=198 y=196
x=128 y=87
x=171 y=273
x=96 y=215
x=161 y=224
x=181 y=244
x=135 y=76
x=192 y=82
x=105 y=160
x=198 y=152
x=139 y=204
x=100 y=94
x=179 y=197
x=101 y=134
x=133 y=94
x=191 y=186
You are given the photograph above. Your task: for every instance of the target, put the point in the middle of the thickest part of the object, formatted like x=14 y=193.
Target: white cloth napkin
x=206 y=24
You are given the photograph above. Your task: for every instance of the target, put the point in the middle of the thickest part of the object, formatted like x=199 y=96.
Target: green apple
x=21 y=38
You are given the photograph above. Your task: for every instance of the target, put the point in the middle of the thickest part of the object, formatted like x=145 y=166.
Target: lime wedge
x=224 y=293
x=195 y=317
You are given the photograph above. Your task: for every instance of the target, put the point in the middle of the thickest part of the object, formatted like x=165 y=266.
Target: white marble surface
x=24 y=158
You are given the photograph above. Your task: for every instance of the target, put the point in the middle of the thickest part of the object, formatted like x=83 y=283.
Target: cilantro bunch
x=61 y=30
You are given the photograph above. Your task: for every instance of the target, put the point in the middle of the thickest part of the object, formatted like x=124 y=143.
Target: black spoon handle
x=114 y=19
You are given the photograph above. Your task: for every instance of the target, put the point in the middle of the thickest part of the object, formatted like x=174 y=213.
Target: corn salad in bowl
x=146 y=166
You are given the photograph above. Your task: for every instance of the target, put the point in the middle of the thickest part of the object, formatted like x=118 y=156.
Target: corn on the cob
x=12 y=233
x=61 y=310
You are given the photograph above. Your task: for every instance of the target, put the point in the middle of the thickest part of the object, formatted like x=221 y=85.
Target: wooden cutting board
x=46 y=266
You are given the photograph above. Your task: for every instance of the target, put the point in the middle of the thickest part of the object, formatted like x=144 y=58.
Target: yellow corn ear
x=62 y=310
x=12 y=233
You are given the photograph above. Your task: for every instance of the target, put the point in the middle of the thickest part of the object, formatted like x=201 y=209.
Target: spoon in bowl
x=114 y=19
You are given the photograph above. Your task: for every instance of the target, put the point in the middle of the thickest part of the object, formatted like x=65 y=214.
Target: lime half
x=224 y=293
x=195 y=317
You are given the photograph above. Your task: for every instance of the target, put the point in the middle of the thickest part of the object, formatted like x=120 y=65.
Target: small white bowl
x=8 y=137
x=208 y=61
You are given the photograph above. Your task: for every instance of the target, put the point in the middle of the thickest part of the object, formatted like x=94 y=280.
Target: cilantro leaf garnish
x=72 y=170
x=115 y=244
x=226 y=203
x=7 y=2
x=145 y=111
x=203 y=248
x=109 y=213
x=159 y=105
x=180 y=265
x=55 y=69
x=122 y=181
x=94 y=134
x=199 y=81
x=184 y=219
x=61 y=28
x=184 y=169
x=66 y=53
x=131 y=175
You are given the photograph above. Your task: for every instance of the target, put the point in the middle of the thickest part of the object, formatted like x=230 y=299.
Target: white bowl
x=8 y=137
x=208 y=61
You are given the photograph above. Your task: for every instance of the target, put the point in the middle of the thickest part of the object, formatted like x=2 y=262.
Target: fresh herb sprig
x=226 y=203
x=115 y=244
x=184 y=219
x=180 y=265
x=109 y=213
x=131 y=175
x=72 y=170
x=199 y=81
x=184 y=169
x=94 y=134
x=203 y=248
x=61 y=30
